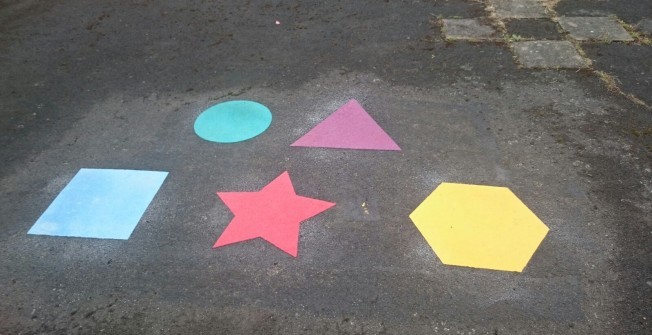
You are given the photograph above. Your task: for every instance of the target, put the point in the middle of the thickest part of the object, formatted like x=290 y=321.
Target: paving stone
x=519 y=9
x=459 y=9
x=630 y=11
x=467 y=29
x=645 y=26
x=631 y=64
x=538 y=29
x=548 y=54
x=594 y=28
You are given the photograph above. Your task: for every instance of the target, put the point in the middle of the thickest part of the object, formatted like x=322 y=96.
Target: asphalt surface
x=118 y=84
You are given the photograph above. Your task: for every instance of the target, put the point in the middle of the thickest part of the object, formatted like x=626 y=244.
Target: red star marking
x=273 y=213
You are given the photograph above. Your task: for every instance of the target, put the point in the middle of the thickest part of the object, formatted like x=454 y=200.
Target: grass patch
x=609 y=81
x=513 y=38
x=612 y=84
x=639 y=37
x=643 y=132
x=550 y=6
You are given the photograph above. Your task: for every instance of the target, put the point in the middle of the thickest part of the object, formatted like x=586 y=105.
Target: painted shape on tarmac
x=100 y=203
x=233 y=121
x=274 y=214
x=349 y=127
x=479 y=226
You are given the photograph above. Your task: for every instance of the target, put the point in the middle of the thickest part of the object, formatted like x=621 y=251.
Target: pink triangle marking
x=349 y=127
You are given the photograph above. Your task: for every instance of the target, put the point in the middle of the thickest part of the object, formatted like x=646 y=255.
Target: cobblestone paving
x=537 y=22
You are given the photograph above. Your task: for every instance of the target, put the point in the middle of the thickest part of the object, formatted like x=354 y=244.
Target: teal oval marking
x=233 y=121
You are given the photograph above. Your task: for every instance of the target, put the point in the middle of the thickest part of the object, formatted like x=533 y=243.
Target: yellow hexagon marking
x=479 y=226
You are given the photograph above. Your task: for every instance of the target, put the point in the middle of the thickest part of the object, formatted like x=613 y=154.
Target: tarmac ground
x=549 y=98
